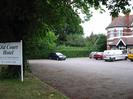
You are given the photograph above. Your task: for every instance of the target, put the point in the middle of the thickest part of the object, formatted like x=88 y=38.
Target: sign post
x=22 y=74
x=11 y=53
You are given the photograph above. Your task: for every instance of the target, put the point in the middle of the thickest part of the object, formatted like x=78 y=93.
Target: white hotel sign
x=11 y=54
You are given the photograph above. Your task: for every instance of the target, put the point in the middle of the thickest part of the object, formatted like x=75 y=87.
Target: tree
x=101 y=43
x=96 y=42
x=43 y=44
x=19 y=17
x=16 y=17
x=91 y=42
x=75 y=40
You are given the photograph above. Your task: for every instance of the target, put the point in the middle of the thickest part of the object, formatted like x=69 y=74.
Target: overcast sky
x=97 y=23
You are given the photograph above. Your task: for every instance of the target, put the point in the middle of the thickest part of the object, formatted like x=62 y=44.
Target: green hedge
x=74 y=51
x=38 y=52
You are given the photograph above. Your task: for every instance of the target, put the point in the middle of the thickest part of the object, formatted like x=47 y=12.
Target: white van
x=112 y=55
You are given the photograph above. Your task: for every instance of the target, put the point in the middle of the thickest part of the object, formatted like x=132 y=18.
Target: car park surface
x=84 y=78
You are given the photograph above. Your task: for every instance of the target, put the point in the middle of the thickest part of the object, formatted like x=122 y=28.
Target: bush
x=10 y=72
x=40 y=46
x=74 y=51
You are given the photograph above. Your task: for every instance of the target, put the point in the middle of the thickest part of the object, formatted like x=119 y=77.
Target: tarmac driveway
x=84 y=78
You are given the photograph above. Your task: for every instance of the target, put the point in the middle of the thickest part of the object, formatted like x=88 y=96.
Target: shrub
x=9 y=72
x=41 y=46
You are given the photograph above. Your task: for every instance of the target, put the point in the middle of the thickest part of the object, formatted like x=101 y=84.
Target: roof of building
x=120 y=22
x=127 y=41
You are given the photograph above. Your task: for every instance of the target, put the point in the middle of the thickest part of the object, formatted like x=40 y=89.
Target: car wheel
x=125 y=58
x=110 y=59
x=57 y=58
x=113 y=59
x=50 y=58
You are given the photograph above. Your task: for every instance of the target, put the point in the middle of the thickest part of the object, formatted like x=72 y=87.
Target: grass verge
x=31 y=88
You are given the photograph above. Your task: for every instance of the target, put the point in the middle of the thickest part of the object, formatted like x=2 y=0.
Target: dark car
x=57 y=56
x=98 y=55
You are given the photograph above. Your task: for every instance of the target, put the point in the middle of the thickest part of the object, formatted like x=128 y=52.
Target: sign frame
x=10 y=53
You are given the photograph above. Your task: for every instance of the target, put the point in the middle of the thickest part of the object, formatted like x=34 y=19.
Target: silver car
x=91 y=55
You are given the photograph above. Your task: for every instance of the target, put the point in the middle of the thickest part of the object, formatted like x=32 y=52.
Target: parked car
x=91 y=55
x=113 y=55
x=130 y=56
x=98 y=55
x=57 y=56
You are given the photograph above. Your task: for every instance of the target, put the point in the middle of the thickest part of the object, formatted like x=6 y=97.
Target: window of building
x=121 y=33
x=108 y=36
x=111 y=35
x=115 y=34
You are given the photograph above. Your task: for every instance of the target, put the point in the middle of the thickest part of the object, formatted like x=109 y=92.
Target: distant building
x=120 y=33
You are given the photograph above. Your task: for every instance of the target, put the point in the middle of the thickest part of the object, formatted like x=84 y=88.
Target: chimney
x=127 y=14
x=127 y=20
x=127 y=31
x=113 y=18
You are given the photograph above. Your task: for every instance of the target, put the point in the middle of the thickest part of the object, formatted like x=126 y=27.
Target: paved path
x=83 y=78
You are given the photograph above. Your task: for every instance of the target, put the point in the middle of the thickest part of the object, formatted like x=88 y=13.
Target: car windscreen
x=131 y=52
x=99 y=53
x=108 y=53
x=59 y=54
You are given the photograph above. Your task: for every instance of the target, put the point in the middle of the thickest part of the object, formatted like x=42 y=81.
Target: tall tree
x=96 y=42
x=16 y=16
x=101 y=42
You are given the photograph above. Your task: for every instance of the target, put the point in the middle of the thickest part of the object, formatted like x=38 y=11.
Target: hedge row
x=75 y=52
x=43 y=53
x=38 y=53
